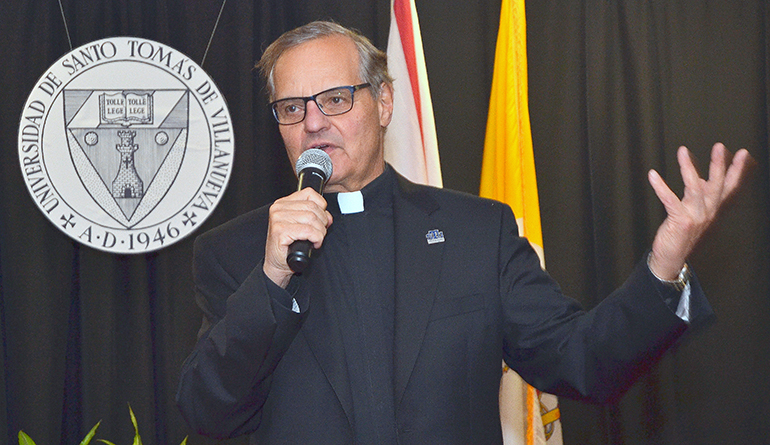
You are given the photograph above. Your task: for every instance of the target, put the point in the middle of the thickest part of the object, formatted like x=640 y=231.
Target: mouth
x=324 y=147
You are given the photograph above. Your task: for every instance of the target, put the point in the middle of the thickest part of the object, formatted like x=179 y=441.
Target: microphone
x=314 y=168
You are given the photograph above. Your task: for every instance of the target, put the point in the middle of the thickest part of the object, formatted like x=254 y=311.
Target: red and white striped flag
x=411 y=146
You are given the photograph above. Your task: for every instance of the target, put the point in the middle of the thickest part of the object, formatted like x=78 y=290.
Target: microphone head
x=317 y=159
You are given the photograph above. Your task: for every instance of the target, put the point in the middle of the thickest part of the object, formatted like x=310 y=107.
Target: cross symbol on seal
x=68 y=221
x=189 y=219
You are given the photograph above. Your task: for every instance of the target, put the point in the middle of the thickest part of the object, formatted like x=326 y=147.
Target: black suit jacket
x=462 y=306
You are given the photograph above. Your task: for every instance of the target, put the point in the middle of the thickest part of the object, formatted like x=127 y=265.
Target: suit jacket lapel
x=324 y=338
x=418 y=269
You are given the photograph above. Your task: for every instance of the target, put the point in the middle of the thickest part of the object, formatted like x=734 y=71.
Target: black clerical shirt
x=357 y=257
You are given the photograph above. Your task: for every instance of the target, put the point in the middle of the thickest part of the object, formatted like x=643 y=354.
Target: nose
x=315 y=120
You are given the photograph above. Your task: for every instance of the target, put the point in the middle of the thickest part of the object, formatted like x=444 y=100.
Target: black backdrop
x=615 y=87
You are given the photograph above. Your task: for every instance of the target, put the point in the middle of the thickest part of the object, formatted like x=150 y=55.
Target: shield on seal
x=127 y=146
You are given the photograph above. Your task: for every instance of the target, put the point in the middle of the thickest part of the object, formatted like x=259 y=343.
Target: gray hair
x=373 y=63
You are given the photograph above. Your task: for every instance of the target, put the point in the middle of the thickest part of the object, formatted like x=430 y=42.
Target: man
x=391 y=336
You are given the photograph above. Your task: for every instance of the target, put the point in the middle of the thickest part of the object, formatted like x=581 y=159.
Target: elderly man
x=389 y=338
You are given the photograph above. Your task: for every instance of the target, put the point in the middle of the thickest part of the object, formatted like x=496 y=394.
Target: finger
x=718 y=166
x=285 y=233
x=294 y=206
x=663 y=191
x=309 y=194
x=741 y=163
x=689 y=173
x=320 y=206
x=713 y=189
x=329 y=219
x=297 y=221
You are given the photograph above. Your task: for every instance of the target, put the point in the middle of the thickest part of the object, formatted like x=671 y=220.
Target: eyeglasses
x=331 y=102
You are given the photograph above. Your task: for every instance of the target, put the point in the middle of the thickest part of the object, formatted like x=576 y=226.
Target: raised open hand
x=689 y=218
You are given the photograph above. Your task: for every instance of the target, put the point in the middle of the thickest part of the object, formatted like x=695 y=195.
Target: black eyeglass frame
x=351 y=88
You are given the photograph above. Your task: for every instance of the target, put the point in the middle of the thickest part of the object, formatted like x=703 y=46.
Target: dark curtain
x=615 y=87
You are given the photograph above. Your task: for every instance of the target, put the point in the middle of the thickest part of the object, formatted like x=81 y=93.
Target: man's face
x=353 y=140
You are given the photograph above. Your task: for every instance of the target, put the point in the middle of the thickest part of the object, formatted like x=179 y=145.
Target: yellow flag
x=508 y=174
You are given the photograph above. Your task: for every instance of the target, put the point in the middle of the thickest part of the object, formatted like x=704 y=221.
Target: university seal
x=126 y=145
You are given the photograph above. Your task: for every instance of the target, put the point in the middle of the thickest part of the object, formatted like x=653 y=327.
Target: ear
x=385 y=104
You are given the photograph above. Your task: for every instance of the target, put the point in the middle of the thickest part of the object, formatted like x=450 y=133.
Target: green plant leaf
x=137 y=438
x=90 y=435
x=24 y=439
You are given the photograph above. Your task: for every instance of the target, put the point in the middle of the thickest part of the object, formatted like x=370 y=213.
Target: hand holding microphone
x=299 y=216
x=314 y=168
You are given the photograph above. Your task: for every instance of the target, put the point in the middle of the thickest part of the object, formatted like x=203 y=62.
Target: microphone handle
x=300 y=251
x=299 y=255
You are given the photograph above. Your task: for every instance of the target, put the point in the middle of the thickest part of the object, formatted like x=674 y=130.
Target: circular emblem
x=126 y=145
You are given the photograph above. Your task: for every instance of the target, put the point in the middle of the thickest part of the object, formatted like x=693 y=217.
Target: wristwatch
x=681 y=281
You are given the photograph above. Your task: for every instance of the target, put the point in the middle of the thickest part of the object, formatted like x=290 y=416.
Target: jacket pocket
x=450 y=307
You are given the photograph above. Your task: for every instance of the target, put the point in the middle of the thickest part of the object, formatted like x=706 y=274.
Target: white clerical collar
x=350 y=202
